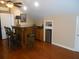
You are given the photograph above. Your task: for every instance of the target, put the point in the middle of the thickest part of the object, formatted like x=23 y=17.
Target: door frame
x=0 y=29
x=76 y=46
x=48 y=27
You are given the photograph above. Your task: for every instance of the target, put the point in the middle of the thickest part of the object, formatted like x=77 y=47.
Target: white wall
x=64 y=30
x=38 y=22
x=16 y=11
x=29 y=21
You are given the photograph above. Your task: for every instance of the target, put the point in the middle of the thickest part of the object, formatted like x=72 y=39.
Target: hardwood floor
x=39 y=51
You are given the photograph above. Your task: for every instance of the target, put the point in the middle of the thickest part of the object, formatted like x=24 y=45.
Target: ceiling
x=52 y=7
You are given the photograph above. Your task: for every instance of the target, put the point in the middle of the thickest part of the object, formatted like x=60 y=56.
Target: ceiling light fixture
x=2 y=2
x=9 y=4
x=36 y=4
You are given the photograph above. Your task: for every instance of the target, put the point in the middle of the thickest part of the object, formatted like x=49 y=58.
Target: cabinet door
x=41 y=34
x=37 y=34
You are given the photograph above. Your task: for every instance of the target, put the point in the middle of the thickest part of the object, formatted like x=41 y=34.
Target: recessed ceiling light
x=36 y=4
x=25 y=8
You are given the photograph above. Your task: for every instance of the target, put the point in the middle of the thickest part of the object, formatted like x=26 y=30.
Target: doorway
x=48 y=35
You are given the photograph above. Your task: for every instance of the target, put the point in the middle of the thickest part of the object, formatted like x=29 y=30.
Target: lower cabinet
x=39 y=34
x=23 y=33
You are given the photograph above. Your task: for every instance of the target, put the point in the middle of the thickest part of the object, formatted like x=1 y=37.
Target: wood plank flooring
x=41 y=50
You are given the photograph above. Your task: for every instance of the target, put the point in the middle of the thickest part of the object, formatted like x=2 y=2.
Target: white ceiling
x=52 y=7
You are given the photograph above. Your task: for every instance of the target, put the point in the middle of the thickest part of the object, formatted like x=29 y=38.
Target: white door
x=77 y=34
x=6 y=20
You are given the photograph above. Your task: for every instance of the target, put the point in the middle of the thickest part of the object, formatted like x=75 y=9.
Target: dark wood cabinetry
x=39 y=34
x=24 y=31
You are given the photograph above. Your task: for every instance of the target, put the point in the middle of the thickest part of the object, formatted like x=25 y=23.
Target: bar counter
x=23 y=32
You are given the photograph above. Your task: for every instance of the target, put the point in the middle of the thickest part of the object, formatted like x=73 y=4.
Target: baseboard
x=65 y=47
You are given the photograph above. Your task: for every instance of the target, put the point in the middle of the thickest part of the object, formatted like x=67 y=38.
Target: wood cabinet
x=39 y=34
x=23 y=32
